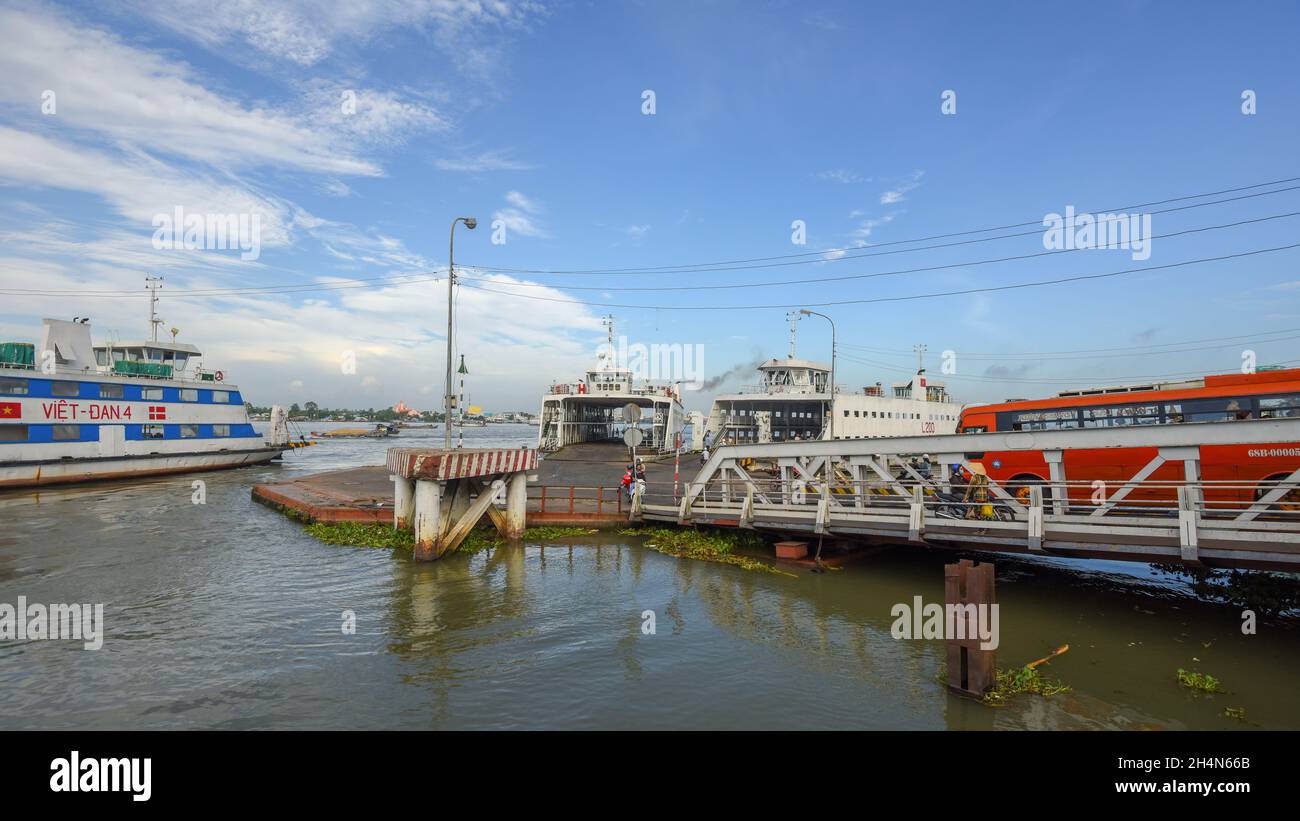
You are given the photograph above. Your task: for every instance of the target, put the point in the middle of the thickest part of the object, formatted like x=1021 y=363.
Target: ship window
x=13 y=387
x=66 y=433
x=846 y=414
x=64 y=388
x=110 y=392
x=151 y=431
x=13 y=433
x=189 y=431
x=221 y=396
x=221 y=430
x=151 y=393
x=189 y=395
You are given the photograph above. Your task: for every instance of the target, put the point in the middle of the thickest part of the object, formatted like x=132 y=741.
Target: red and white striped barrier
x=459 y=463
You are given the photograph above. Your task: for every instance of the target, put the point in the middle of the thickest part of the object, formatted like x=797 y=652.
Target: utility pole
x=449 y=395
x=794 y=317
x=831 y=403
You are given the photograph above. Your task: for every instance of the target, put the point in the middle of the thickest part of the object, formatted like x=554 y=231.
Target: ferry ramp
x=870 y=490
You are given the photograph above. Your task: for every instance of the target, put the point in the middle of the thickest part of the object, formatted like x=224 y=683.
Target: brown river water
x=227 y=615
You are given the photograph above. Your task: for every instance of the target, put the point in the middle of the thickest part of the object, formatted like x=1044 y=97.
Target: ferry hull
x=74 y=471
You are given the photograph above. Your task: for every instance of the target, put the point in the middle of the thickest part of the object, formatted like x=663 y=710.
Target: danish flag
x=10 y=410
x=157 y=412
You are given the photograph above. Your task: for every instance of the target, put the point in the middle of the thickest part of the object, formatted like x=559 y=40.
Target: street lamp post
x=807 y=312
x=448 y=396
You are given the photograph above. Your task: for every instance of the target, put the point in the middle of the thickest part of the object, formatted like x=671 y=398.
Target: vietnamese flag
x=10 y=410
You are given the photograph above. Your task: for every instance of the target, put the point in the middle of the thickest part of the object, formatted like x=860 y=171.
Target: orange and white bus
x=1248 y=470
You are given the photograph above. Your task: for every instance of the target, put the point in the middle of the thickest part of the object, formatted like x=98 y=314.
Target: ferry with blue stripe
x=72 y=411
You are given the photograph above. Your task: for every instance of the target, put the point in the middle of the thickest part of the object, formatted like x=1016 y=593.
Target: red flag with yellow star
x=10 y=410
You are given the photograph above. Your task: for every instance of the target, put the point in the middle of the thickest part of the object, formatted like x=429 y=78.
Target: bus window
x=1044 y=420
x=1276 y=407
x=1217 y=410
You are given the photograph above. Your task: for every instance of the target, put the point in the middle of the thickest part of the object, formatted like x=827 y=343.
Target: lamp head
x=470 y=223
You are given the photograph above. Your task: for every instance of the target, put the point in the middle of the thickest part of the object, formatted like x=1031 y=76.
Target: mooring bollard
x=968 y=589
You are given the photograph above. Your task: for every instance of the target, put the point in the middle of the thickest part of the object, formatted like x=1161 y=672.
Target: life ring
x=219 y=376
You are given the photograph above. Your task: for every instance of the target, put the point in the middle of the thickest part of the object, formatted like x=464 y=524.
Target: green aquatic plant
x=1238 y=713
x=1203 y=682
x=483 y=537
x=550 y=534
x=704 y=545
x=1024 y=680
x=358 y=534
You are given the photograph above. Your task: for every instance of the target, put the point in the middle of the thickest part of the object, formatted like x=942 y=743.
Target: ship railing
x=199 y=376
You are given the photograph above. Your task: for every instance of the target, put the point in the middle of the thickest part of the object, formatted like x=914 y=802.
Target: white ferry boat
x=72 y=411
x=592 y=410
x=793 y=402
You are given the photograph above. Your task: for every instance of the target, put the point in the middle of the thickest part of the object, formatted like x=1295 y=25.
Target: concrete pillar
x=428 y=504
x=403 y=502
x=516 y=505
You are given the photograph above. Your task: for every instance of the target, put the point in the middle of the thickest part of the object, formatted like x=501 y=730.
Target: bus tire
x=1289 y=502
x=1019 y=488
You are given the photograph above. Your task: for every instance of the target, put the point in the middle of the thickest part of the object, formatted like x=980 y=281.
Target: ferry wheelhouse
x=72 y=411
x=793 y=402
x=592 y=410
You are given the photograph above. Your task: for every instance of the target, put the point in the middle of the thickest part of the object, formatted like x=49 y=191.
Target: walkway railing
x=871 y=488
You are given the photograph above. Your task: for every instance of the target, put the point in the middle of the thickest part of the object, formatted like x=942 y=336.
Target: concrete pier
x=454 y=489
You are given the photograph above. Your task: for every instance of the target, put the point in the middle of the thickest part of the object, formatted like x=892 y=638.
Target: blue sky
x=765 y=113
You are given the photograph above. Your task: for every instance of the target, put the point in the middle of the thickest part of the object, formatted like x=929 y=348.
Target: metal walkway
x=868 y=489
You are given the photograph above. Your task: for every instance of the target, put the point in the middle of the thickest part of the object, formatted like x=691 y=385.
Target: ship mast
x=794 y=318
x=153 y=284
x=608 y=322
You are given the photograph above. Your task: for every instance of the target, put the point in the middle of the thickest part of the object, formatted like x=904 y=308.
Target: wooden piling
x=971 y=670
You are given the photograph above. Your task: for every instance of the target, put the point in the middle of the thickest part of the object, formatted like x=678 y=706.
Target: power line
x=847 y=277
x=906 y=298
x=694 y=267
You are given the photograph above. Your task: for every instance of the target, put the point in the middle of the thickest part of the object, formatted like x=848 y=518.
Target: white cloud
x=140 y=98
x=485 y=161
x=305 y=33
x=866 y=227
x=842 y=176
x=137 y=186
x=896 y=194
x=637 y=232
x=520 y=216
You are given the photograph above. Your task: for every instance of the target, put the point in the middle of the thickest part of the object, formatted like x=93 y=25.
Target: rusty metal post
x=428 y=519
x=971 y=670
x=516 y=505
x=403 y=502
